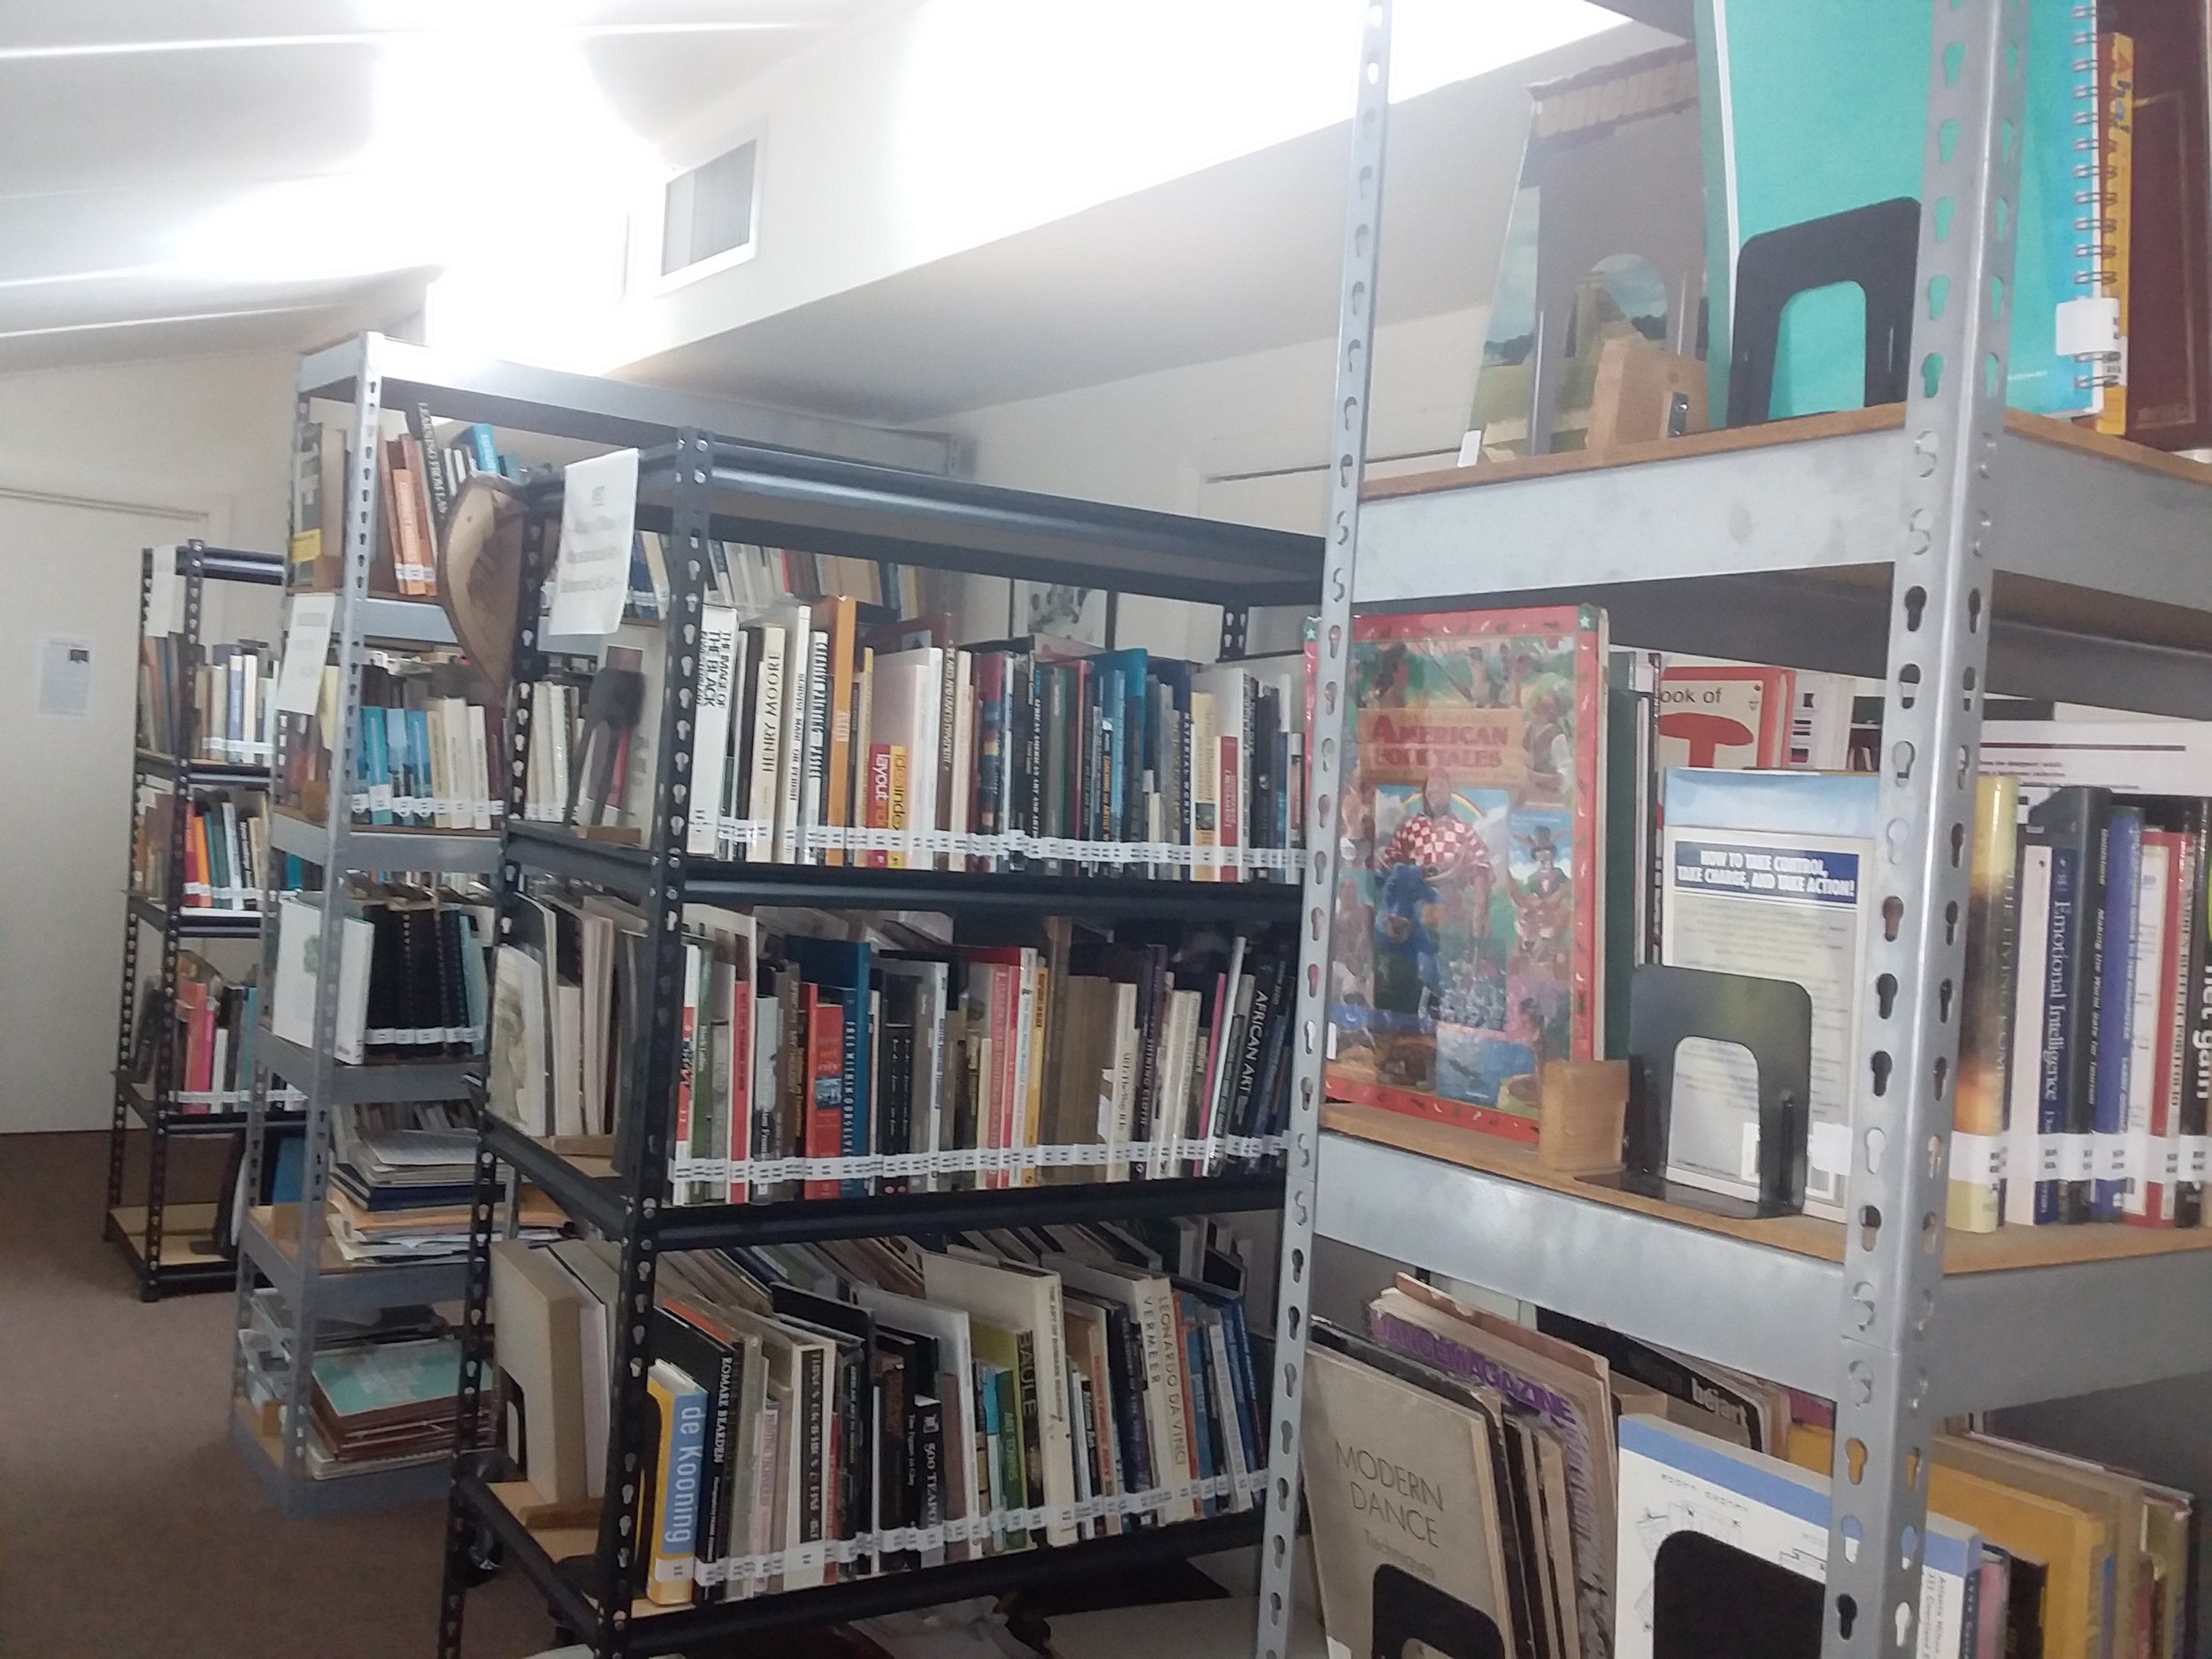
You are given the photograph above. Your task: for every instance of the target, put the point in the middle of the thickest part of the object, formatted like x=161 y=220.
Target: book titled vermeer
x=1468 y=911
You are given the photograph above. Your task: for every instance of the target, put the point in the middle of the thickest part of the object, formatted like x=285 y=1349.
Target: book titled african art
x=1468 y=944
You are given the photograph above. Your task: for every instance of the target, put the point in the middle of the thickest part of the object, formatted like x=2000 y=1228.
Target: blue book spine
x=486 y=452
x=399 y=751
x=2115 y=970
x=2062 y=935
x=418 y=754
x=376 y=766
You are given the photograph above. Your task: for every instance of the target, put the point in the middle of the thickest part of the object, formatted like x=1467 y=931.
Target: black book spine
x=2073 y=823
x=1032 y=1428
x=926 y=1458
x=1051 y=715
x=713 y=1366
x=1125 y=1371
x=1254 y=1034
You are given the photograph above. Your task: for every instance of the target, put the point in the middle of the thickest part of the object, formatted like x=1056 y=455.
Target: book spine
x=2196 y=1099
x=1031 y=1408
x=825 y=1081
x=927 y=1461
x=853 y=1074
x=2114 y=966
x=675 y=1535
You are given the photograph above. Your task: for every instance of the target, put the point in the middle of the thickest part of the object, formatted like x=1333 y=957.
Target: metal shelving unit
x=289 y=1248
x=174 y=1247
x=1947 y=548
x=708 y=487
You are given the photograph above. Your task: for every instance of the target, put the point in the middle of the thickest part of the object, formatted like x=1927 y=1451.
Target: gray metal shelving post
x=296 y=1265
x=1939 y=651
x=1333 y=648
x=1937 y=636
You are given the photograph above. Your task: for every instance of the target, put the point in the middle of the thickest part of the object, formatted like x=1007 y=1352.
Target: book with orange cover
x=2064 y=1544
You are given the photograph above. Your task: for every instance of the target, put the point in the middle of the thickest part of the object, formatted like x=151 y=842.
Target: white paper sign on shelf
x=598 y=521
x=306 y=648
x=164 y=594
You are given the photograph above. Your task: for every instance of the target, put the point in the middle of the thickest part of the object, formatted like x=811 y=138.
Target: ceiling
x=1236 y=258
x=151 y=153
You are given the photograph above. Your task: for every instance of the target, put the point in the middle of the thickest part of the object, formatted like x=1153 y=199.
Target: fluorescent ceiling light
x=365 y=37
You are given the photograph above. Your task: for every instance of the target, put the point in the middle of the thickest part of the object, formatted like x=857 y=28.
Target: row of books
x=421 y=470
x=401 y=1179
x=211 y=1027
x=428 y=748
x=821 y=1067
x=1563 y=1492
x=1523 y=830
x=412 y=973
x=820 y=742
x=226 y=852
x=829 y=1412
x=2086 y=1046
x=216 y=703
x=749 y=575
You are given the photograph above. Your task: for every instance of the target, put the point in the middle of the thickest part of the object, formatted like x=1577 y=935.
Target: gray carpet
x=130 y=1529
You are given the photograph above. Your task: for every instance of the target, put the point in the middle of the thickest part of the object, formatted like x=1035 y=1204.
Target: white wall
x=94 y=463
x=1241 y=438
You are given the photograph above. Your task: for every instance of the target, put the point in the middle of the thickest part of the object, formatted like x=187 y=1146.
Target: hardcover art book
x=1468 y=907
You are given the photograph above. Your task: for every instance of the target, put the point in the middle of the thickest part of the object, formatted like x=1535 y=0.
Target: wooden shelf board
x=1963 y=1252
x=181 y=1224
x=1804 y=429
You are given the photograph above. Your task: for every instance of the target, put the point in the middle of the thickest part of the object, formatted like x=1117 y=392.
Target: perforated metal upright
x=1890 y=1320
x=193 y=565
x=295 y=1264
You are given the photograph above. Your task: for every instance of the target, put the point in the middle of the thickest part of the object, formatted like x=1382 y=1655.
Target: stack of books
x=829 y=1412
x=821 y=1066
x=385 y=1403
x=426 y=748
x=402 y=1180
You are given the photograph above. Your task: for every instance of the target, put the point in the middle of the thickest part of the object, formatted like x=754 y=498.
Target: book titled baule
x=1468 y=909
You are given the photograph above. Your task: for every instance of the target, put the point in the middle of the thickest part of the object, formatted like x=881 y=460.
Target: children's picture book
x=1467 y=925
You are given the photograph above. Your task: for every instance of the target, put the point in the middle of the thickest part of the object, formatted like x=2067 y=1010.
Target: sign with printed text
x=1776 y=872
x=591 y=573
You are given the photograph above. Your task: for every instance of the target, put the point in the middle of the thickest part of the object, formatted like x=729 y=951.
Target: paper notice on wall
x=65 y=677
x=165 y=593
x=306 y=646
x=598 y=522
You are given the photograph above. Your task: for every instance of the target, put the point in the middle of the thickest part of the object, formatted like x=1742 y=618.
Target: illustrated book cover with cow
x=1468 y=930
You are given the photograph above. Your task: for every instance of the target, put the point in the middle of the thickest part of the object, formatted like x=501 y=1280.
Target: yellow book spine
x=2116 y=57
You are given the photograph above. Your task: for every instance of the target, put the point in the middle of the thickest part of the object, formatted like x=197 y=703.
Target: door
x=70 y=571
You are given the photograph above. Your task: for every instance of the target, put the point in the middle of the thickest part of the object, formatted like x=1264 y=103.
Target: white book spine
x=711 y=727
x=767 y=717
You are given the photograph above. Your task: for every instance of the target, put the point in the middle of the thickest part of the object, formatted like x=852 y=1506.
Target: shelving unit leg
x=1939 y=652
x=1294 y=1279
x=126 y=1009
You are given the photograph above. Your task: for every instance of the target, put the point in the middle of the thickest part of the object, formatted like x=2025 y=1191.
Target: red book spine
x=825 y=1082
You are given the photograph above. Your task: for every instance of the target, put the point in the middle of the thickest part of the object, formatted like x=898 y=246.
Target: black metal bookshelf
x=705 y=487
x=171 y=1245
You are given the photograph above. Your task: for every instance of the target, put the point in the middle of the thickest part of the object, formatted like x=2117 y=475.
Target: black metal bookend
x=1773 y=1019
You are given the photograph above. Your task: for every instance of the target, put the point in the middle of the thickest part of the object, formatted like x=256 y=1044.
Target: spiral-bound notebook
x=1815 y=108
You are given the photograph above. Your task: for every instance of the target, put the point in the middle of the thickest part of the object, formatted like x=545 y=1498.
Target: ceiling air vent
x=708 y=213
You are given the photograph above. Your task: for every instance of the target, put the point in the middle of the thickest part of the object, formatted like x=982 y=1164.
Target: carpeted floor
x=130 y=1529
